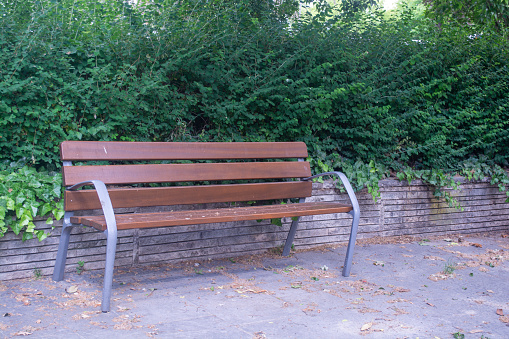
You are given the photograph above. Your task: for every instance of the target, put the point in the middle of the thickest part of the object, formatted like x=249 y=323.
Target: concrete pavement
x=439 y=287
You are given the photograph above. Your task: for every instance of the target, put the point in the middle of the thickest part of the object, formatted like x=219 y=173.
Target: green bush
x=399 y=92
x=368 y=94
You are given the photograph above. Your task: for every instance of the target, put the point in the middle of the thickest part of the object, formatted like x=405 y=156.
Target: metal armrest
x=104 y=198
x=346 y=184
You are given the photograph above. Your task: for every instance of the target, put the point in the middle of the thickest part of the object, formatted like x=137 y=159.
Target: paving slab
x=439 y=287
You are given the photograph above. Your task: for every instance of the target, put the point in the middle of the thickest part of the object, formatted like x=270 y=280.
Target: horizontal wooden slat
x=159 y=196
x=116 y=150
x=153 y=173
x=180 y=218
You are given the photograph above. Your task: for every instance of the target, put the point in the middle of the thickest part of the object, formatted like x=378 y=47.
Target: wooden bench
x=245 y=164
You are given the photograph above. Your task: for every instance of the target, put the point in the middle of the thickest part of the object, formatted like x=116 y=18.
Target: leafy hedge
x=366 y=93
x=25 y=194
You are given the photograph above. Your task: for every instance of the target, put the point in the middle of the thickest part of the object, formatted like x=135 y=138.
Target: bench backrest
x=226 y=162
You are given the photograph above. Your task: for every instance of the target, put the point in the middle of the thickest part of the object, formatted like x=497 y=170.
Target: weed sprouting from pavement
x=449 y=267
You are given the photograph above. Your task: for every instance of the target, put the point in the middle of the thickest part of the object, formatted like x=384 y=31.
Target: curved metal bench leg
x=351 y=243
x=111 y=247
x=111 y=234
x=63 y=245
x=355 y=213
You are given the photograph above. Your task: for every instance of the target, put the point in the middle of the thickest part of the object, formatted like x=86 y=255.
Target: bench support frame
x=111 y=240
x=355 y=213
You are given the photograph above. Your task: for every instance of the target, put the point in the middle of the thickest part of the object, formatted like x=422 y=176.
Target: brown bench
x=245 y=164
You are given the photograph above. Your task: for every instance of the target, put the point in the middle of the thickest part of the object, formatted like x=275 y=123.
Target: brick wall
x=402 y=210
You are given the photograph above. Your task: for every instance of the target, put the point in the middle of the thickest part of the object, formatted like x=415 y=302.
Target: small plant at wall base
x=81 y=267
x=25 y=194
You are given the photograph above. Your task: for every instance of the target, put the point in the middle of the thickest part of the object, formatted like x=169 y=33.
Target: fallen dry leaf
x=23 y=299
x=254 y=291
x=366 y=326
x=401 y=289
x=259 y=335
x=95 y=323
x=476 y=245
x=476 y=331
x=399 y=300
x=437 y=277
x=500 y=311
x=72 y=289
x=399 y=311
x=26 y=330
x=432 y=257
x=22 y=333
x=430 y=304
x=504 y=319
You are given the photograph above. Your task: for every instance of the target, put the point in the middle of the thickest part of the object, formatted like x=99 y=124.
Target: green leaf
x=41 y=235
x=10 y=204
x=25 y=220
x=46 y=208
x=16 y=227
x=34 y=208
x=59 y=214
x=57 y=190
x=27 y=236
x=20 y=211
x=20 y=199
x=276 y=221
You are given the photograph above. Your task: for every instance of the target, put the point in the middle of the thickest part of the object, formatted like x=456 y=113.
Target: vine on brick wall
x=25 y=194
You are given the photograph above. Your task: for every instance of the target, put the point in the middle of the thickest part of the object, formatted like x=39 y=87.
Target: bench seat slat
x=153 y=173
x=180 y=218
x=183 y=195
x=118 y=150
